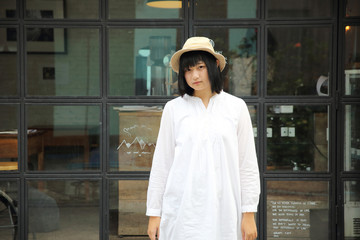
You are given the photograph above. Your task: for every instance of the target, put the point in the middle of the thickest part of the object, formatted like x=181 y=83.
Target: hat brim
x=175 y=59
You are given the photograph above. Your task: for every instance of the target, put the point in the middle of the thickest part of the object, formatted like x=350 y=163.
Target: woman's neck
x=204 y=96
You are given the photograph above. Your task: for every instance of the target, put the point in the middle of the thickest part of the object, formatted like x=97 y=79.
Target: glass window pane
x=139 y=61
x=138 y=9
x=239 y=46
x=352 y=138
x=253 y=115
x=297 y=210
x=127 y=209
x=352 y=8
x=351 y=210
x=9 y=140
x=8 y=61
x=70 y=66
x=64 y=138
x=8 y=9
x=63 y=209
x=299 y=8
x=298 y=60
x=352 y=60
x=230 y=9
x=297 y=138
x=133 y=134
x=9 y=205
x=60 y=9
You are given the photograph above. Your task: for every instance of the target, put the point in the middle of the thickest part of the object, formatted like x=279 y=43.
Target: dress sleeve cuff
x=249 y=208
x=153 y=212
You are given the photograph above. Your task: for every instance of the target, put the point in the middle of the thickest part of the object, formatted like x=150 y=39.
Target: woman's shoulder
x=175 y=103
x=232 y=100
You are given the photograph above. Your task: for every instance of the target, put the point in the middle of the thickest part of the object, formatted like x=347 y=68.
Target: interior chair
x=11 y=209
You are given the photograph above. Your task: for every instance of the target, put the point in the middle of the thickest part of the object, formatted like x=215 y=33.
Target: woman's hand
x=154 y=228
x=248 y=226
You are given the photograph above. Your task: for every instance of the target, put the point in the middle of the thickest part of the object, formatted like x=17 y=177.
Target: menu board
x=290 y=219
x=138 y=130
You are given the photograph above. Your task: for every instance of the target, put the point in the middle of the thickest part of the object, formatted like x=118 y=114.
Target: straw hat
x=197 y=44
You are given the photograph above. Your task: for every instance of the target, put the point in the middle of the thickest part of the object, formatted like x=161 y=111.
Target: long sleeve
x=162 y=161
x=249 y=170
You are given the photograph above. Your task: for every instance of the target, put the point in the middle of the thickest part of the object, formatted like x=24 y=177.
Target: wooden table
x=8 y=166
x=68 y=137
x=9 y=149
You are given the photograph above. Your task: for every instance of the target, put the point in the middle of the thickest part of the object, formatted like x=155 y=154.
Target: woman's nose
x=195 y=74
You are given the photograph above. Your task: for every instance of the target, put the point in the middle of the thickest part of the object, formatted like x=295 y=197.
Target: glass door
x=350 y=115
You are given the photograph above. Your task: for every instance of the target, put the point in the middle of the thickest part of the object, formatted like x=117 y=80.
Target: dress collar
x=187 y=96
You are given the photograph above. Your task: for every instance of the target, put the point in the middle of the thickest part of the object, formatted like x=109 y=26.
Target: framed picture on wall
x=38 y=39
x=45 y=40
x=48 y=73
x=8 y=40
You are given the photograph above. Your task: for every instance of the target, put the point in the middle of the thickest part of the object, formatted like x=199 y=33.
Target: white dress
x=204 y=173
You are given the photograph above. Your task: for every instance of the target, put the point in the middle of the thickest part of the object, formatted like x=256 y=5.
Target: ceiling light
x=164 y=4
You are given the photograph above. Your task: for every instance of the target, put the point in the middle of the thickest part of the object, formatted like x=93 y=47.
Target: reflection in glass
x=60 y=9
x=70 y=68
x=127 y=208
x=238 y=45
x=8 y=40
x=133 y=134
x=297 y=210
x=139 y=61
x=298 y=60
x=352 y=138
x=63 y=209
x=352 y=8
x=352 y=82
x=8 y=9
x=253 y=115
x=230 y=9
x=352 y=60
x=134 y=9
x=8 y=61
x=299 y=9
x=64 y=137
x=351 y=210
x=297 y=138
x=9 y=205
x=9 y=140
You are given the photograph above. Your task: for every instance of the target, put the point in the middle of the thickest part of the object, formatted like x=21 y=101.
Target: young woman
x=204 y=182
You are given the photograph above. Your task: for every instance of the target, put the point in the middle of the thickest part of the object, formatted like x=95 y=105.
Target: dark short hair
x=190 y=59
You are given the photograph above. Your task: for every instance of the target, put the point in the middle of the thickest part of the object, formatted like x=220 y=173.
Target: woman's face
x=197 y=77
